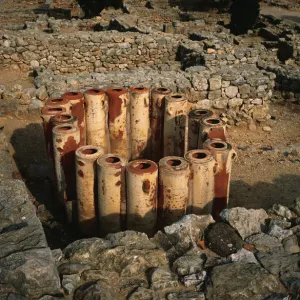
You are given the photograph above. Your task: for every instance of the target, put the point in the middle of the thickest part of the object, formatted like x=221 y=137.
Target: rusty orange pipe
x=59 y=102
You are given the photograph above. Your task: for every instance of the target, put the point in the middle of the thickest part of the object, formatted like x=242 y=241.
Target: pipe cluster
x=135 y=159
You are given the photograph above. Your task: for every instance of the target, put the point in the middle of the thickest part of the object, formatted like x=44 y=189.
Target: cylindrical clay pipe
x=203 y=168
x=195 y=116
x=48 y=112
x=66 y=140
x=175 y=125
x=118 y=101
x=64 y=119
x=97 y=118
x=86 y=183
x=157 y=105
x=141 y=182
x=139 y=121
x=59 y=102
x=224 y=155
x=211 y=127
x=77 y=107
x=173 y=189
x=111 y=193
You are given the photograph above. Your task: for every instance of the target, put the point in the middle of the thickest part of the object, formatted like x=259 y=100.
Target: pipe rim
x=142 y=166
x=162 y=91
x=138 y=90
x=199 y=156
x=73 y=96
x=112 y=160
x=200 y=113
x=65 y=129
x=212 y=122
x=173 y=163
x=53 y=110
x=56 y=101
x=94 y=92
x=217 y=145
x=116 y=91
x=89 y=152
x=175 y=97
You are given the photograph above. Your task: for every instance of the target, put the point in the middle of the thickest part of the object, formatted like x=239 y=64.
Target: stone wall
x=87 y=51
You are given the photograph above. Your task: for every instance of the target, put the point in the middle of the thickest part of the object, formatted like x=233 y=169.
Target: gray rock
x=281 y=223
x=188 y=264
x=241 y=281
x=246 y=221
x=215 y=83
x=163 y=278
x=279 y=297
x=69 y=283
x=231 y=91
x=35 y=107
x=41 y=93
x=291 y=280
x=235 y=102
x=95 y=275
x=143 y=294
x=290 y=244
x=69 y=268
x=31 y=272
x=279 y=261
x=280 y=233
x=296 y=207
x=57 y=254
x=264 y=242
x=196 y=280
x=244 y=256
x=186 y=295
x=282 y=211
x=223 y=239
x=184 y=233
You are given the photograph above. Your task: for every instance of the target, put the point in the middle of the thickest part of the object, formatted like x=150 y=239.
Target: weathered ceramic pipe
x=59 y=102
x=118 y=121
x=86 y=183
x=77 y=107
x=174 y=176
x=111 y=193
x=63 y=119
x=97 y=118
x=211 y=127
x=175 y=125
x=157 y=105
x=139 y=122
x=48 y=112
x=66 y=140
x=203 y=168
x=224 y=155
x=141 y=183
x=195 y=116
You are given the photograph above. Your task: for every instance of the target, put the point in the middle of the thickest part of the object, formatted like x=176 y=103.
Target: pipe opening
x=65 y=128
x=162 y=89
x=176 y=96
x=56 y=100
x=217 y=145
x=142 y=166
x=73 y=93
x=200 y=112
x=63 y=117
x=199 y=155
x=139 y=88
x=55 y=109
x=117 y=90
x=213 y=121
x=89 y=151
x=96 y=91
x=174 y=162
x=112 y=159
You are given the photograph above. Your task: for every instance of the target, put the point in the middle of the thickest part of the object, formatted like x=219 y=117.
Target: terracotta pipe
x=59 y=102
x=157 y=106
x=78 y=110
x=141 y=183
x=86 y=183
x=47 y=114
x=63 y=119
x=139 y=122
x=175 y=125
x=111 y=193
x=97 y=118
x=224 y=155
x=203 y=168
x=195 y=116
x=211 y=127
x=174 y=176
x=66 y=140
x=118 y=121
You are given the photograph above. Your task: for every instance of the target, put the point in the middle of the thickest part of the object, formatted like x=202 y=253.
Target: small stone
x=34 y=64
x=72 y=268
x=41 y=93
x=296 y=207
x=35 y=107
x=280 y=233
x=290 y=244
x=264 y=242
x=57 y=254
x=282 y=211
x=163 y=278
x=243 y=255
x=188 y=264
x=70 y=282
x=143 y=293
x=215 y=83
x=196 y=280
x=251 y=125
x=231 y=91
x=267 y=129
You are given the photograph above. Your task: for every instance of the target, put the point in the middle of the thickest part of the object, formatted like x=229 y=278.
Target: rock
x=296 y=207
x=244 y=256
x=35 y=107
x=278 y=297
x=17 y=88
x=279 y=233
x=186 y=295
x=96 y=290
x=215 y=83
x=57 y=254
x=223 y=239
x=31 y=272
x=188 y=264
x=184 y=233
x=196 y=280
x=279 y=261
x=231 y=91
x=241 y=281
x=251 y=125
x=281 y=223
x=69 y=283
x=291 y=280
x=290 y=244
x=25 y=99
x=264 y=242
x=163 y=278
x=246 y=221
x=131 y=240
x=69 y=268
x=34 y=64
x=94 y=275
x=260 y=112
x=143 y=294
x=9 y=96
x=267 y=129
x=41 y=93
x=235 y=102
